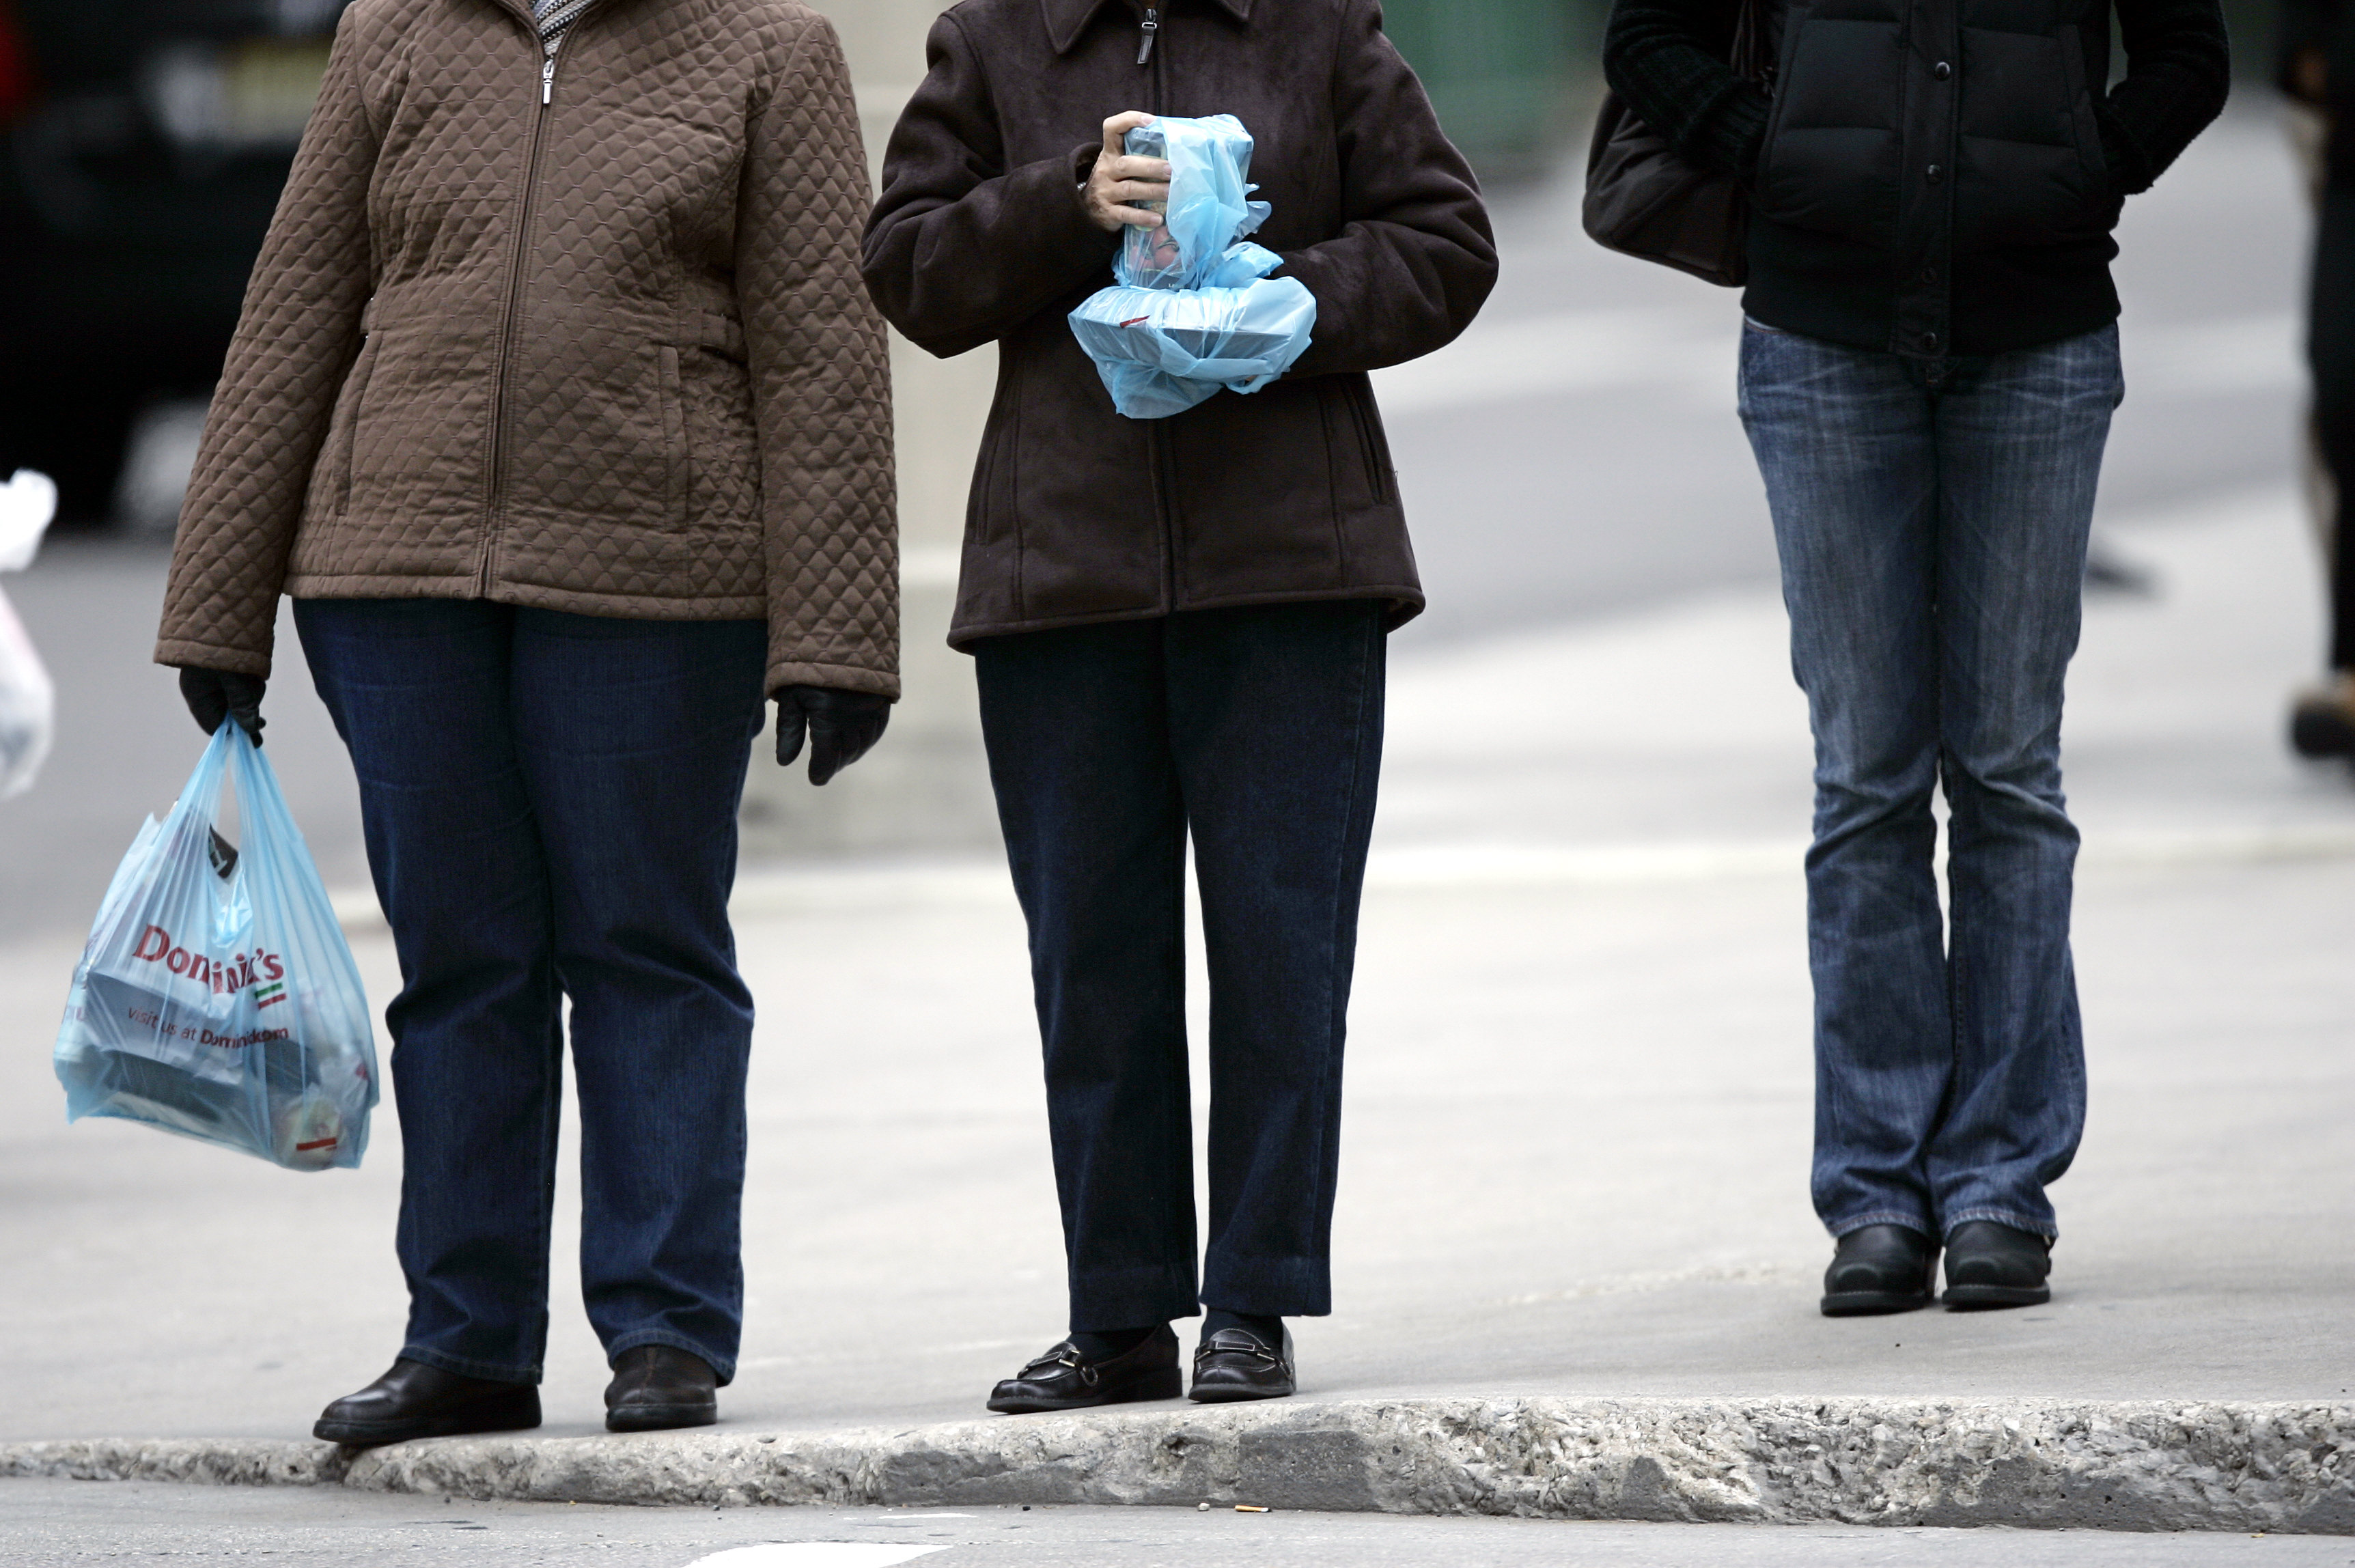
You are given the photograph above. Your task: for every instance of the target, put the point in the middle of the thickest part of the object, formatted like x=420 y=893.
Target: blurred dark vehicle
x=142 y=143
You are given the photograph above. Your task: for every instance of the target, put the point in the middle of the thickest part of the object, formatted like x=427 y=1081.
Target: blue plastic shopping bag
x=217 y=997
x=1208 y=207
x=1161 y=351
x=1195 y=312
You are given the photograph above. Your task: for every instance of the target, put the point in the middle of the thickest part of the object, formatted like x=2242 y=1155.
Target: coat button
x=1929 y=274
x=1930 y=341
x=1942 y=70
x=1936 y=173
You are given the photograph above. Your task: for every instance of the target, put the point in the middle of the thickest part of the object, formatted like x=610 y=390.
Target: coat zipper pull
x=547 y=80
x=1146 y=28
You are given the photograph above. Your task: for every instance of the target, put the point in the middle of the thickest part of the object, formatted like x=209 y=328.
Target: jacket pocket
x=1381 y=478
x=678 y=462
x=2087 y=129
x=1834 y=142
x=342 y=430
x=723 y=461
x=2028 y=168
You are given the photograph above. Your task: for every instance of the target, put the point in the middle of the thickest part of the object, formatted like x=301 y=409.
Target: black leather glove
x=213 y=694
x=841 y=725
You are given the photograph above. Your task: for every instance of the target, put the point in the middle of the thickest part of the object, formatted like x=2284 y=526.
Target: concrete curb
x=2281 y=1467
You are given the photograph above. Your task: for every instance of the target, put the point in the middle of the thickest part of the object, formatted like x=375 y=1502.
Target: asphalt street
x=69 y=1524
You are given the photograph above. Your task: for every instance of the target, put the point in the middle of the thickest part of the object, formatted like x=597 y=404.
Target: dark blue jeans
x=549 y=803
x=1931 y=518
x=1259 y=730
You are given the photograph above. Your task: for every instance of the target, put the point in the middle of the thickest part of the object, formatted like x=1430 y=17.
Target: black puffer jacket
x=1930 y=177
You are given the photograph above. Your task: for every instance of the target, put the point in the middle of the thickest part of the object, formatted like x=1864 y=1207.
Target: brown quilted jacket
x=597 y=344
x=1080 y=515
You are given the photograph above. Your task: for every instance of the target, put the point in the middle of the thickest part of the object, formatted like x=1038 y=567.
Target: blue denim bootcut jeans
x=1930 y=517
x=550 y=802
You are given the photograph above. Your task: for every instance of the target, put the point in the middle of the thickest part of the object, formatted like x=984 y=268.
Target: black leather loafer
x=1881 y=1268
x=1990 y=1264
x=414 y=1401
x=1236 y=1364
x=1064 y=1378
x=657 y=1386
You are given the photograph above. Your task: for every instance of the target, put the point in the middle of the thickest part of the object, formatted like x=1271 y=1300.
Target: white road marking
x=813 y=1554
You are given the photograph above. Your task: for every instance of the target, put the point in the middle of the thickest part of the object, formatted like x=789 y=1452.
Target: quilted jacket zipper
x=495 y=486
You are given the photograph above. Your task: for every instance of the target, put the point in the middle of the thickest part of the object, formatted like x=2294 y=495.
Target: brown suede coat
x=605 y=352
x=1080 y=515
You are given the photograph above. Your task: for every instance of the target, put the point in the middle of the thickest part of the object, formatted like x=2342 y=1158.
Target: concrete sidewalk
x=1574 y=1180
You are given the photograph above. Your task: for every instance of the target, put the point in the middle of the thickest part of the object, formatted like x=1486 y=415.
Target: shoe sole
x=1872 y=1303
x=661 y=1418
x=488 y=1416
x=1237 y=1395
x=1164 y=1384
x=1983 y=1297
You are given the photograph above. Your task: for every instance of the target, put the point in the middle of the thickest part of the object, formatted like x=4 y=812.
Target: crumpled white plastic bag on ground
x=28 y=698
x=1195 y=310
x=217 y=998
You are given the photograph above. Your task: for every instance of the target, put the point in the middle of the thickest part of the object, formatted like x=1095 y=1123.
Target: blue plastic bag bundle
x=217 y=998
x=1195 y=310
x=1160 y=351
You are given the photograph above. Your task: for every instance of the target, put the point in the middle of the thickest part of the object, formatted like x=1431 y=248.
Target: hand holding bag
x=1644 y=201
x=1195 y=310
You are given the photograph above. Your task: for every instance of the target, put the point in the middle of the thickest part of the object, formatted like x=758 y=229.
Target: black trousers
x=1257 y=730
x=2331 y=350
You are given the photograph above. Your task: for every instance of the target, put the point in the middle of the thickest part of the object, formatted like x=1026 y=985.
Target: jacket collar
x=1067 y=20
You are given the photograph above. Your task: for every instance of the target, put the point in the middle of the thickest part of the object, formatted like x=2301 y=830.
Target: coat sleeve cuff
x=1730 y=136
x=834 y=676
x=2130 y=170
x=180 y=653
x=1056 y=191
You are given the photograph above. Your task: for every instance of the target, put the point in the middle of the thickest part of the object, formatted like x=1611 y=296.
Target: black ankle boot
x=1991 y=1265
x=414 y=1401
x=1880 y=1268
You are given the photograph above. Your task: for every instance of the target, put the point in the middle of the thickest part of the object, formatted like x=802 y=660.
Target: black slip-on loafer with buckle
x=1237 y=1364
x=415 y=1401
x=1993 y=1264
x=1881 y=1268
x=657 y=1386
x=1064 y=1378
